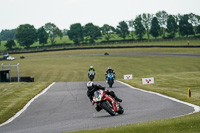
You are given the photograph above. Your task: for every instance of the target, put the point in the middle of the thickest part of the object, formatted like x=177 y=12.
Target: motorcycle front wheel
x=91 y=78
x=121 y=110
x=110 y=83
x=108 y=107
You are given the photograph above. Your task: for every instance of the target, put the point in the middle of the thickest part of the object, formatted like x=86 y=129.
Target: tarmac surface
x=139 y=54
x=154 y=54
x=65 y=107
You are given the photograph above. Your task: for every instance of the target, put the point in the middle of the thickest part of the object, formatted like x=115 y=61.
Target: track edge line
x=196 y=107
x=26 y=106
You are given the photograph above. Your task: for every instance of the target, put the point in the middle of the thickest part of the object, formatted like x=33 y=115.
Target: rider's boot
x=118 y=99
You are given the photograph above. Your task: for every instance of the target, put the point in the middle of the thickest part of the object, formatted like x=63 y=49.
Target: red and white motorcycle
x=107 y=103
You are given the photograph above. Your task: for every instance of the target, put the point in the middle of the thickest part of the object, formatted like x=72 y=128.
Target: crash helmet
x=90 y=85
x=91 y=66
x=109 y=67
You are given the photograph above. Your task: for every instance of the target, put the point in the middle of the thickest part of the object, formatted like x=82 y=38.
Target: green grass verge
x=173 y=76
x=173 y=84
x=67 y=66
x=185 y=124
x=14 y=97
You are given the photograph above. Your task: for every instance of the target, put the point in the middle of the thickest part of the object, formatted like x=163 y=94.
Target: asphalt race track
x=65 y=107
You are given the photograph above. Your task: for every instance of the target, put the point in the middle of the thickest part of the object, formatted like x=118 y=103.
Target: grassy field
x=66 y=66
x=173 y=76
x=152 y=42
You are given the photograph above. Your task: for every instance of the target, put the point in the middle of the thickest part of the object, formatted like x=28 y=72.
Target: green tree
x=107 y=30
x=194 y=20
x=185 y=28
x=42 y=36
x=155 y=27
x=172 y=26
x=76 y=33
x=122 y=29
x=162 y=17
x=26 y=35
x=6 y=35
x=177 y=19
x=146 y=20
x=53 y=31
x=10 y=44
x=131 y=26
x=198 y=29
x=64 y=32
x=139 y=28
x=91 y=32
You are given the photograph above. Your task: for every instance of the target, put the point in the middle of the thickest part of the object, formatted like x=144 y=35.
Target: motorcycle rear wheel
x=108 y=108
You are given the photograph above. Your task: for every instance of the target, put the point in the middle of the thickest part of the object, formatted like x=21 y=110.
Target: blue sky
x=63 y=13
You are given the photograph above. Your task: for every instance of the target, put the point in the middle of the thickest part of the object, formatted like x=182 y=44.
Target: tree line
x=159 y=24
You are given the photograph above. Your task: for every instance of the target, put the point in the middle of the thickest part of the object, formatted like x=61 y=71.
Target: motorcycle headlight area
x=110 y=75
x=97 y=95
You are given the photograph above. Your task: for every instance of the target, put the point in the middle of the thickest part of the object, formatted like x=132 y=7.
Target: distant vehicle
x=22 y=57
x=106 y=53
x=5 y=56
x=10 y=58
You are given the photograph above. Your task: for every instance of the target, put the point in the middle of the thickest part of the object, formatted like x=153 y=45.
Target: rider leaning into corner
x=93 y=87
x=110 y=70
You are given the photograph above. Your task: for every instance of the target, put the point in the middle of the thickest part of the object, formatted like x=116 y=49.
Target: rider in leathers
x=110 y=70
x=91 y=69
x=92 y=88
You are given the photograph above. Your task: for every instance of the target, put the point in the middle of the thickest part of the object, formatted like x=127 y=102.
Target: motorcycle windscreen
x=98 y=95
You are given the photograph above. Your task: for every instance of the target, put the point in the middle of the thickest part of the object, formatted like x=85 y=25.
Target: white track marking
x=26 y=106
x=196 y=108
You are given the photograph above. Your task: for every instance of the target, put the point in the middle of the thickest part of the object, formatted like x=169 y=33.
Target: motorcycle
x=110 y=79
x=91 y=75
x=108 y=103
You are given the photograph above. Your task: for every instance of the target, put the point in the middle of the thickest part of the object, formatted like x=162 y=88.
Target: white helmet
x=90 y=85
x=91 y=66
x=109 y=67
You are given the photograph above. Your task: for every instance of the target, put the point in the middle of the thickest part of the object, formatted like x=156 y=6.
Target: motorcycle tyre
x=121 y=110
x=110 y=83
x=106 y=107
x=91 y=78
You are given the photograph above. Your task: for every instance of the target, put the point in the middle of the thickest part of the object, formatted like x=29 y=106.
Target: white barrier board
x=128 y=76
x=148 y=80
